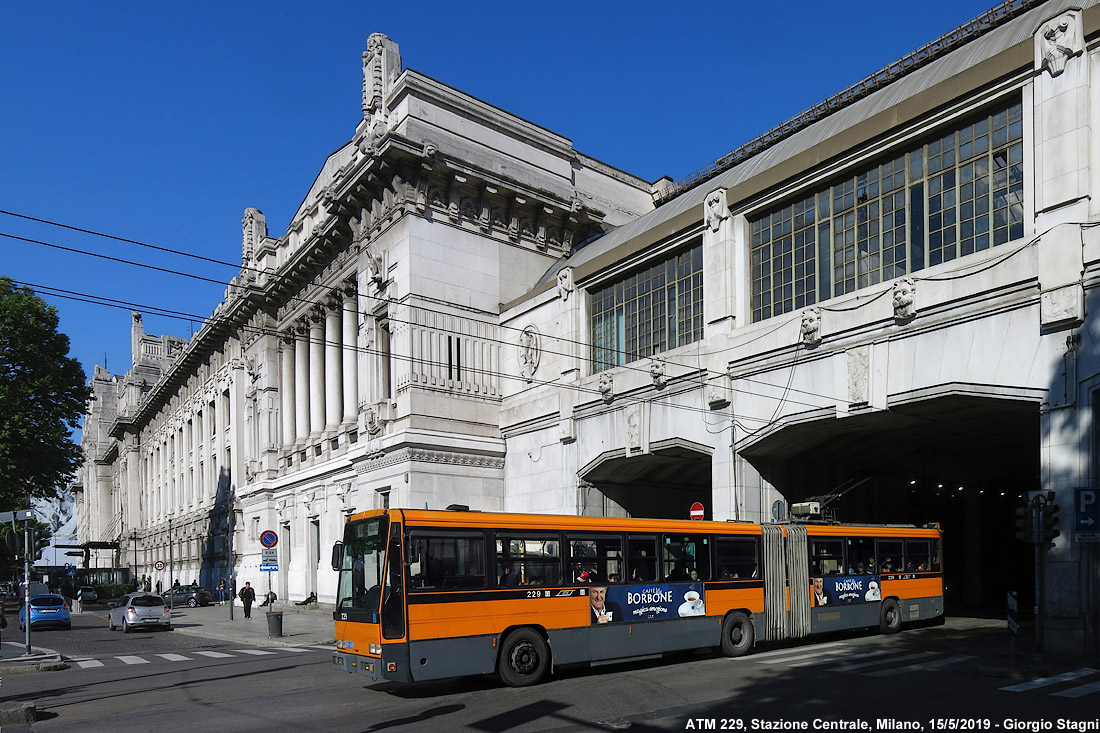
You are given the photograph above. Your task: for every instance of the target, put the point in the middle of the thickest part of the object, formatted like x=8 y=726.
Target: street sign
x=1086 y=515
x=269 y=538
x=1013 y=626
x=12 y=516
x=696 y=511
x=272 y=568
x=159 y=565
x=269 y=556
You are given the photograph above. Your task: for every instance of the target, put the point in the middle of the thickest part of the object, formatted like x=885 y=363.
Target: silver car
x=139 y=610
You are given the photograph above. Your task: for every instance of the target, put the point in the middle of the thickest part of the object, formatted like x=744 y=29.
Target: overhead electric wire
x=240 y=267
x=181 y=315
x=388 y=301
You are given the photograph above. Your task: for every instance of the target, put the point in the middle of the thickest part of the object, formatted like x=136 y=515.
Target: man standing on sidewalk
x=247 y=597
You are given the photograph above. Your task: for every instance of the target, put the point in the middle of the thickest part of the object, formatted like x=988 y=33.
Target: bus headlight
x=374 y=649
x=341 y=644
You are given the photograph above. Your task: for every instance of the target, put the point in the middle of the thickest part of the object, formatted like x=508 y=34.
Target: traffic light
x=40 y=540
x=1025 y=524
x=1049 y=521
x=14 y=542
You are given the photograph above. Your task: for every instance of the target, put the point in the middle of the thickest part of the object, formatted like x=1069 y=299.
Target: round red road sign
x=696 y=511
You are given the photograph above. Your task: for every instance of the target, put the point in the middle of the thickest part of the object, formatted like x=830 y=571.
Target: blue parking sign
x=1086 y=515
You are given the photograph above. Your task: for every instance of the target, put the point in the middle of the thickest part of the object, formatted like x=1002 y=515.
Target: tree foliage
x=43 y=395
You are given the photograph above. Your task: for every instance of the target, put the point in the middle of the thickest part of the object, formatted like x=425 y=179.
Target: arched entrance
x=661 y=484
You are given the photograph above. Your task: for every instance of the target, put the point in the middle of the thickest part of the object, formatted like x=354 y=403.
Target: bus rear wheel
x=524 y=658
x=889 y=621
x=738 y=635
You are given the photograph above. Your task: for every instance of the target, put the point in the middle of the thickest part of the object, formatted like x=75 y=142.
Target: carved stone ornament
x=905 y=299
x=372 y=74
x=565 y=282
x=657 y=371
x=607 y=387
x=715 y=209
x=375 y=271
x=430 y=149
x=811 y=326
x=253 y=231
x=374 y=425
x=1059 y=41
x=529 y=353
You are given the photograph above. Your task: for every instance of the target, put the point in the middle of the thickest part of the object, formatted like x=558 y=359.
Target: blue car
x=48 y=610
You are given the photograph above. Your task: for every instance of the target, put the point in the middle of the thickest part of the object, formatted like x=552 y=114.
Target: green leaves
x=43 y=395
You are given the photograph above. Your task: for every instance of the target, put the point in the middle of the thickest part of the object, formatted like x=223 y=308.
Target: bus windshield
x=364 y=561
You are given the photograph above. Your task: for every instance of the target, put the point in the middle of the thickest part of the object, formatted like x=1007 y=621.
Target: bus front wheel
x=738 y=635
x=524 y=658
x=890 y=617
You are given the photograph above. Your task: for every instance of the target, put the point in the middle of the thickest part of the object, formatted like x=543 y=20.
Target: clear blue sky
x=162 y=122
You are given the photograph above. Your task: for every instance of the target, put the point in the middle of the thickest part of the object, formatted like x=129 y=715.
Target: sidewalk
x=301 y=626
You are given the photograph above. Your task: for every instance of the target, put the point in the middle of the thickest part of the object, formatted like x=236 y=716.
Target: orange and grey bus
x=427 y=595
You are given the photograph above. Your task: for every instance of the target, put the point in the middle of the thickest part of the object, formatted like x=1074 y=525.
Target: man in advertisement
x=602 y=611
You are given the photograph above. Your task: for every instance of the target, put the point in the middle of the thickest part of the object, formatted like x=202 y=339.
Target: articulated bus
x=427 y=595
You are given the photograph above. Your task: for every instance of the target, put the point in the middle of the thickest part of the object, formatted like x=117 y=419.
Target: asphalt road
x=955 y=674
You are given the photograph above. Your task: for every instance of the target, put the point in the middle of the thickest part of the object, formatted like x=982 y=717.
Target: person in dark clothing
x=248 y=596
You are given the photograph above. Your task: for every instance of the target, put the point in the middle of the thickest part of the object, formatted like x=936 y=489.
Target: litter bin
x=274 y=623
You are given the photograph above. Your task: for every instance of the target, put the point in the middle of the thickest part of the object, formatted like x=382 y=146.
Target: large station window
x=654 y=309
x=959 y=192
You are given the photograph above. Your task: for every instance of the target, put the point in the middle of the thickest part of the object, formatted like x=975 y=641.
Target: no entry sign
x=696 y=511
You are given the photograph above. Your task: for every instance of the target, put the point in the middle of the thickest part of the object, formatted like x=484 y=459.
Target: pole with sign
x=696 y=511
x=1086 y=515
x=269 y=559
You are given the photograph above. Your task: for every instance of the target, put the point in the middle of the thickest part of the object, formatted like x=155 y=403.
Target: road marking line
x=1078 y=691
x=784 y=660
x=128 y=659
x=329 y=648
x=1044 y=681
x=215 y=655
x=175 y=657
x=920 y=666
x=861 y=655
x=860 y=665
x=89 y=663
x=761 y=655
x=254 y=652
x=290 y=649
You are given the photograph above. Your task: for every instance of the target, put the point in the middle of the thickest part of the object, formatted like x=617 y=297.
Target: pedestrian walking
x=221 y=592
x=247 y=597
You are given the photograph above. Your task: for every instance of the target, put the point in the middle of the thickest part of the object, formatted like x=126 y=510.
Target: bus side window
x=593 y=558
x=686 y=558
x=889 y=555
x=449 y=560
x=528 y=559
x=641 y=559
x=916 y=556
x=826 y=556
x=736 y=558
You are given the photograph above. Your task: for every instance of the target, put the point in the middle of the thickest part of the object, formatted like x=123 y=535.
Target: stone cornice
x=423 y=455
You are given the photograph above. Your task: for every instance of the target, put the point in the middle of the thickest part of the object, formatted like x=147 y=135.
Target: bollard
x=274 y=623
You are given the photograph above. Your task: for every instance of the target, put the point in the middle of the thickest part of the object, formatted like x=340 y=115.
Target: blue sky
x=162 y=122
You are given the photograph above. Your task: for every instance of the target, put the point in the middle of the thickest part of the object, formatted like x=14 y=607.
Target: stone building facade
x=896 y=286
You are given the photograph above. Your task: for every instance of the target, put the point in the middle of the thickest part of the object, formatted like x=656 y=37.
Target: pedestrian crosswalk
x=1059 y=681
x=872 y=661
x=191 y=656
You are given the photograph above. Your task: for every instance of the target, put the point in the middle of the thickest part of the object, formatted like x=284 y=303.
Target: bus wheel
x=738 y=635
x=889 y=621
x=524 y=658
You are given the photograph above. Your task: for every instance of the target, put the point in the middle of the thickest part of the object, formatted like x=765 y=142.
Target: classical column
x=333 y=364
x=202 y=466
x=350 y=313
x=186 y=464
x=316 y=375
x=301 y=383
x=286 y=390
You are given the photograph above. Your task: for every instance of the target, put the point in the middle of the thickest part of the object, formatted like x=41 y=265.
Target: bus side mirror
x=337 y=556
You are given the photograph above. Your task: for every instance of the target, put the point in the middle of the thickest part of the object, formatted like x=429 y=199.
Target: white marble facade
x=420 y=336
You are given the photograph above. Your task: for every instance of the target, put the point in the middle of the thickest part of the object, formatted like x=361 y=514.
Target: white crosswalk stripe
x=191 y=656
x=862 y=655
x=88 y=663
x=175 y=657
x=254 y=652
x=1079 y=691
x=810 y=655
x=215 y=655
x=762 y=655
x=130 y=659
x=294 y=649
x=860 y=665
x=1047 y=681
x=920 y=666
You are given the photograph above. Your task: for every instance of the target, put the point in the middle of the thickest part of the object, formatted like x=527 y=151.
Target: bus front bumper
x=373 y=668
